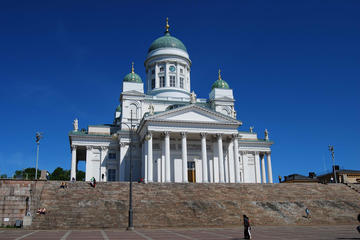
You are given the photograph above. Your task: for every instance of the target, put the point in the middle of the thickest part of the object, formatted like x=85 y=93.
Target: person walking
x=247 y=228
x=358 y=227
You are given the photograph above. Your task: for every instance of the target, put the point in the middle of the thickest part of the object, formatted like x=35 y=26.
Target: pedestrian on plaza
x=247 y=228
x=307 y=212
x=93 y=182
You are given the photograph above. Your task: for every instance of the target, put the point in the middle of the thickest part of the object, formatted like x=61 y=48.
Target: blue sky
x=293 y=65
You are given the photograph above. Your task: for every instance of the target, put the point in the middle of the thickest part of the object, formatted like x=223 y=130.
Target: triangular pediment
x=195 y=114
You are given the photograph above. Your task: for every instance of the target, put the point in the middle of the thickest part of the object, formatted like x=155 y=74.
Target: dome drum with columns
x=177 y=136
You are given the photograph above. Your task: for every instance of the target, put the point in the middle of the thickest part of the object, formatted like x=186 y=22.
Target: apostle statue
x=251 y=129
x=192 y=97
x=76 y=125
x=266 y=134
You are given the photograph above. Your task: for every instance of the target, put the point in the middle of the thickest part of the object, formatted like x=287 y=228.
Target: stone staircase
x=194 y=205
x=354 y=186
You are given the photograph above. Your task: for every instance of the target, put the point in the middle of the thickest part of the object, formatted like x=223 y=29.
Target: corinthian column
x=268 y=157
x=263 y=173
x=184 y=157
x=167 y=157
x=204 y=158
x=221 y=158
x=236 y=159
x=150 y=158
x=73 y=162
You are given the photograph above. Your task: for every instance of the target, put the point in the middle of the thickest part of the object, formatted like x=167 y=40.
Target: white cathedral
x=173 y=135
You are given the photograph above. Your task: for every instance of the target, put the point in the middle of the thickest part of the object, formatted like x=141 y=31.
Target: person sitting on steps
x=93 y=182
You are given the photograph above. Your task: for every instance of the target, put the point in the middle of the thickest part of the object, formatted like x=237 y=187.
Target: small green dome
x=220 y=83
x=167 y=41
x=132 y=77
x=118 y=109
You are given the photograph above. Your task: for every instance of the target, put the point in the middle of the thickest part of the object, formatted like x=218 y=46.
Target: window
x=111 y=175
x=161 y=69
x=153 y=83
x=153 y=71
x=181 y=70
x=162 y=81
x=172 y=81
x=112 y=155
x=181 y=82
x=133 y=108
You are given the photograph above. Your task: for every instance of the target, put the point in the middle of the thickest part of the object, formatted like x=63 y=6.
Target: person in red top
x=247 y=228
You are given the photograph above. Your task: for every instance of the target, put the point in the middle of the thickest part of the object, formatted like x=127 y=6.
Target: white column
x=204 y=158
x=167 y=157
x=150 y=158
x=221 y=158
x=184 y=157
x=163 y=161
x=146 y=161
x=236 y=159
x=88 y=167
x=232 y=167
x=103 y=164
x=215 y=163
x=263 y=175
x=257 y=168
x=269 y=168
x=73 y=163
x=167 y=78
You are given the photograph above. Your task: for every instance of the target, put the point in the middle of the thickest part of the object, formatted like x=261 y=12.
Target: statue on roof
x=251 y=129
x=266 y=134
x=76 y=125
x=192 y=97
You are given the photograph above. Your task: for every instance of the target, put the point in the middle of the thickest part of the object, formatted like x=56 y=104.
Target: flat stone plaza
x=258 y=232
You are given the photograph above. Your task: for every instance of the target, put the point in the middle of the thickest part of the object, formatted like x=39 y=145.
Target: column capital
x=122 y=144
x=235 y=135
x=148 y=136
x=73 y=147
x=219 y=135
x=89 y=147
x=183 y=134
x=103 y=148
x=166 y=133
x=268 y=153
x=203 y=134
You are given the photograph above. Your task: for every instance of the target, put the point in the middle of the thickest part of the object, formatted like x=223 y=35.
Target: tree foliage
x=27 y=173
x=58 y=174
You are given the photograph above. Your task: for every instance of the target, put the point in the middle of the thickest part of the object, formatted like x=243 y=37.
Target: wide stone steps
x=194 y=205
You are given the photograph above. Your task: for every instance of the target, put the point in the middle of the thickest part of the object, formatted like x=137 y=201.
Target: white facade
x=176 y=137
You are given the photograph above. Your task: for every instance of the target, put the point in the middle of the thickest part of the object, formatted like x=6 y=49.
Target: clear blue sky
x=294 y=67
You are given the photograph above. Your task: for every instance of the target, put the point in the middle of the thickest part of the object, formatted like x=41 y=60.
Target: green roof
x=220 y=83
x=167 y=41
x=132 y=77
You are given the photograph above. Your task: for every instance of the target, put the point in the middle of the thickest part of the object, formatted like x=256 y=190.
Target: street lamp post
x=38 y=136
x=130 y=225
x=331 y=149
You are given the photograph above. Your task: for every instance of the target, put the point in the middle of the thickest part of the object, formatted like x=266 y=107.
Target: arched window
x=133 y=109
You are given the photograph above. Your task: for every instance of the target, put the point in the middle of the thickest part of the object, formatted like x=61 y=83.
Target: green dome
x=167 y=41
x=220 y=83
x=118 y=109
x=132 y=77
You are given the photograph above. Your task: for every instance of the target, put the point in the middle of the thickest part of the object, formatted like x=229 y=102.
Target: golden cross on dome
x=167 y=25
x=132 y=67
x=219 y=74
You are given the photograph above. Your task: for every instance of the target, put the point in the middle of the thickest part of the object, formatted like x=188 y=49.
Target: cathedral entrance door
x=191 y=171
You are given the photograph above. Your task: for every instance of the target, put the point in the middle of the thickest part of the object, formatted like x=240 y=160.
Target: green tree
x=60 y=174
x=27 y=173
x=80 y=175
x=3 y=176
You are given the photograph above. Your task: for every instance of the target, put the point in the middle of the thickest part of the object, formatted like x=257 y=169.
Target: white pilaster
x=150 y=158
x=167 y=78
x=103 y=163
x=221 y=158
x=236 y=159
x=184 y=157
x=73 y=163
x=257 y=168
x=204 y=158
x=167 y=157
x=122 y=154
x=231 y=165
x=263 y=175
x=269 y=168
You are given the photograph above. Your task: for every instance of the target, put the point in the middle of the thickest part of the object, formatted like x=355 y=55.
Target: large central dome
x=167 y=41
